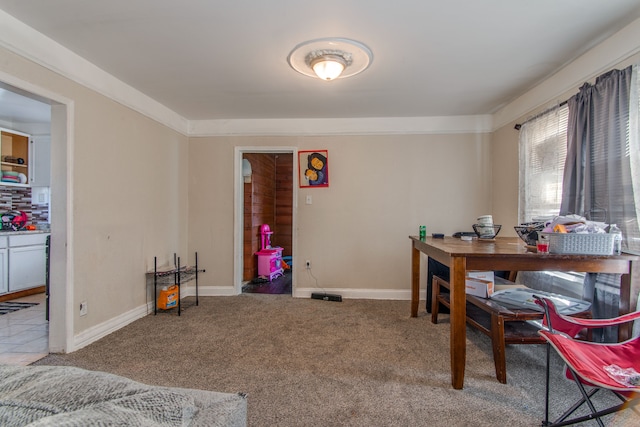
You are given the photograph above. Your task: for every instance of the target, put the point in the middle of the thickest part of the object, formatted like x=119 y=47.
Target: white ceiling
x=217 y=59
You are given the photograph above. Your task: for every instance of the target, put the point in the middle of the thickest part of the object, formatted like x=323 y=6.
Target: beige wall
x=356 y=231
x=139 y=189
x=130 y=204
x=129 y=190
x=504 y=152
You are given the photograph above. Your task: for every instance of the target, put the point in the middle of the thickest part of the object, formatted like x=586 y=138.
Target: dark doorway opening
x=268 y=199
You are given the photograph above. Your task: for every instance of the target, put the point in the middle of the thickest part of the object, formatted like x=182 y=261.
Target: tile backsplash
x=19 y=199
x=39 y=213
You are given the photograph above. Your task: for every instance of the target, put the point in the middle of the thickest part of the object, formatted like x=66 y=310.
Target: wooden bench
x=503 y=325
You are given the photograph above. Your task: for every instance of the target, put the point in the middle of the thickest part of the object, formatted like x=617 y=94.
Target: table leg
x=625 y=330
x=415 y=280
x=458 y=343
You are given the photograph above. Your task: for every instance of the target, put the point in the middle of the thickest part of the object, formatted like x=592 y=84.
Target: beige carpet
x=307 y=362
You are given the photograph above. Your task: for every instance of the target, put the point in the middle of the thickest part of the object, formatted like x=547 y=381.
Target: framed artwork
x=313 y=168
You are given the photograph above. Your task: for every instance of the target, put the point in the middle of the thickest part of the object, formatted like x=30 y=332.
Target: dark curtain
x=597 y=172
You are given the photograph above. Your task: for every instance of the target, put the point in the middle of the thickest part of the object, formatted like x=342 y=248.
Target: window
x=543 y=150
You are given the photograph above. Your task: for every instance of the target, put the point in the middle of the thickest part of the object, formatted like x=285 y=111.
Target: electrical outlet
x=308 y=264
x=83 y=308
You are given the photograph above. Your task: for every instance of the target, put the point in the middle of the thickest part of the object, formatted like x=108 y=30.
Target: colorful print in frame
x=313 y=168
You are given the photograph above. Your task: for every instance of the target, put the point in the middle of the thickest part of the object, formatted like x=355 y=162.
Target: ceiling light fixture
x=328 y=65
x=330 y=58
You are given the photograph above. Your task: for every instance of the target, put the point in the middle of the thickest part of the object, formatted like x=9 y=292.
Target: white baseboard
x=349 y=293
x=94 y=333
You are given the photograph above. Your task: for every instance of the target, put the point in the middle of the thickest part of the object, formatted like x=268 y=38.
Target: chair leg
x=497 y=342
x=435 y=293
x=561 y=419
x=546 y=388
x=596 y=416
x=586 y=397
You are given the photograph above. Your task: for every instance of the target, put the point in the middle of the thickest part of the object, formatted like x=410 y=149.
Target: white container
x=617 y=239
x=581 y=244
x=485 y=220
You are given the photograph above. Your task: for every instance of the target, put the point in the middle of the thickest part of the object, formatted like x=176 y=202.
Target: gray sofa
x=69 y=396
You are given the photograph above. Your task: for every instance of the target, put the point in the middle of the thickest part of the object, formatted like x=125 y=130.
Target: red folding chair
x=609 y=366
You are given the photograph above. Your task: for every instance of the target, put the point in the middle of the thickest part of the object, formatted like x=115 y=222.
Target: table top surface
x=504 y=246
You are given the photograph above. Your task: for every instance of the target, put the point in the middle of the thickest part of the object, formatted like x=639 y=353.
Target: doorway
x=57 y=126
x=266 y=196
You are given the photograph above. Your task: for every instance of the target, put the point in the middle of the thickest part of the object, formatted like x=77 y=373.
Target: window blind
x=543 y=151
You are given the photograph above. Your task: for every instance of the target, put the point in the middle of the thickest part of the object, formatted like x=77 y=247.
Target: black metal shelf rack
x=177 y=275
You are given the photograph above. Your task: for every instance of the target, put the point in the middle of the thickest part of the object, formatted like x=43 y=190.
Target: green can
x=423 y=231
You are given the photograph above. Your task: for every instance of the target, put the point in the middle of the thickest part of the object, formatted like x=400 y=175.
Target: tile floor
x=24 y=334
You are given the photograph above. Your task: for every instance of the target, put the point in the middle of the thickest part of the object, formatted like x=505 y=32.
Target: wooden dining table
x=505 y=254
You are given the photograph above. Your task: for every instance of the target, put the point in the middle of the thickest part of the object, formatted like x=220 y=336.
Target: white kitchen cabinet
x=4 y=266
x=27 y=261
x=40 y=161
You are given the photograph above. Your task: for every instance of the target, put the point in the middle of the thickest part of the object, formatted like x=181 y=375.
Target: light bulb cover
x=328 y=67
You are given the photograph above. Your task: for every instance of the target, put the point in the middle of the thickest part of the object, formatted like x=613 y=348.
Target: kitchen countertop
x=13 y=233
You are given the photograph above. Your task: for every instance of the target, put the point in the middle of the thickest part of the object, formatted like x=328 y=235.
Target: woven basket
x=580 y=244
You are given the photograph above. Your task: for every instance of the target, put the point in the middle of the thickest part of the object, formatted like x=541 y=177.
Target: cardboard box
x=478 y=287
x=482 y=275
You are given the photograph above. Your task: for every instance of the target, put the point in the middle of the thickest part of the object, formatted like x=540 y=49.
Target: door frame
x=238 y=215
x=61 y=320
